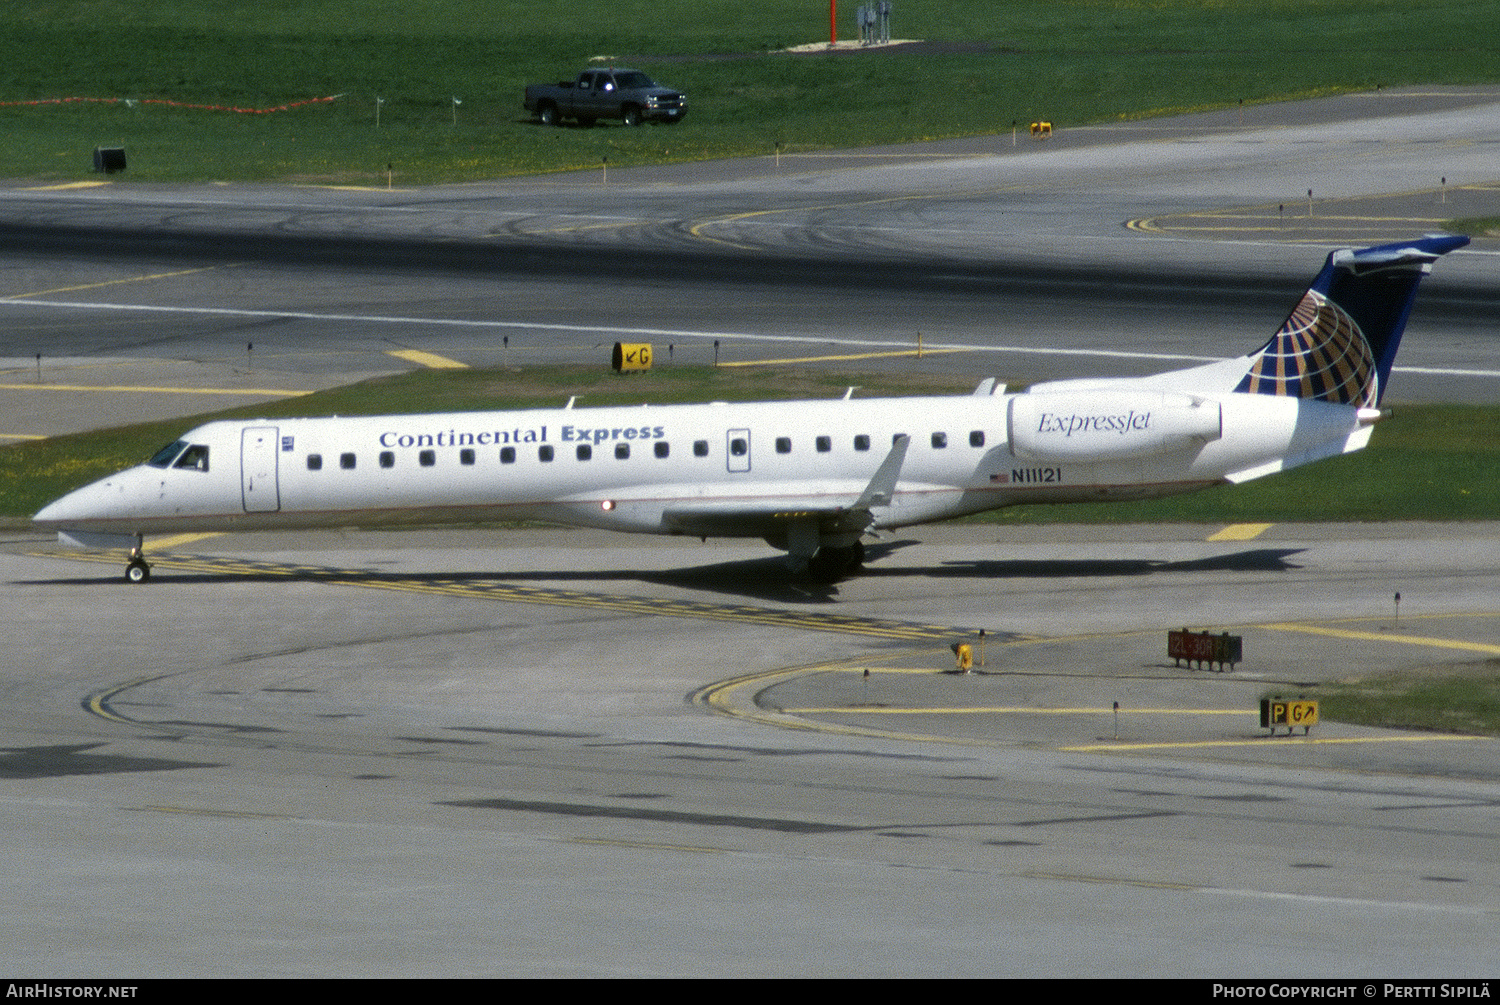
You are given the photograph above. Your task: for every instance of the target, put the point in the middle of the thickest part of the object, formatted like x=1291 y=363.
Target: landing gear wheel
x=137 y=571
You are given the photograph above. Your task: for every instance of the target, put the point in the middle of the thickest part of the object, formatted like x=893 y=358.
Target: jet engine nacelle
x=1109 y=425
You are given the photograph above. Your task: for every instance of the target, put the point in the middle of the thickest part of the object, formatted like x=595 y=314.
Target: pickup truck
x=628 y=95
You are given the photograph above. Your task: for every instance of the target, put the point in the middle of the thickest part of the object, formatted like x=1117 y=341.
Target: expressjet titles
x=570 y=434
x=1131 y=422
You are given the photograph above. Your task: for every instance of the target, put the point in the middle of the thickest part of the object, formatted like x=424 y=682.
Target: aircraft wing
x=772 y=515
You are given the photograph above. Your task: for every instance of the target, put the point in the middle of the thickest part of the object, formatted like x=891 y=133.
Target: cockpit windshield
x=184 y=454
x=164 y=457
x=195 y=457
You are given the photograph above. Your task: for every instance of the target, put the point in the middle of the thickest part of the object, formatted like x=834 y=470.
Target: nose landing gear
x=137 y=570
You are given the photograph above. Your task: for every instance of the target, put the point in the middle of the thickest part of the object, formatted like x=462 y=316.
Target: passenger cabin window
x=700 y=448
x=739 y=447
x=427 y=458
x=346 y=461
x=939 y=441
x=976 y=438
x=824 y=444
x=544 y=453
x=622 y=451
x=387 y=459
x=315 y=462
x=164 y=457
x=861 y=442
x=585 y=451
x=662 y=448
x=507 y=455
x=783 y=444
x=466 y=456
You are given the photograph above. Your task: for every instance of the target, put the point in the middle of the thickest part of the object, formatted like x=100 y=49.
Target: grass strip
x=429 y=91
x=1462 y=698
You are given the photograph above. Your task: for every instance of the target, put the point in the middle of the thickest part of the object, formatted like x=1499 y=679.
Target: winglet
x=883 y=486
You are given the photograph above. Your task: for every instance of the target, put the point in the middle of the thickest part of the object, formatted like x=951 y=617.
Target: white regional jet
x=810 y=477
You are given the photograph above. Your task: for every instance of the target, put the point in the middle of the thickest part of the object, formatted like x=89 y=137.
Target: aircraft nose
x=81 y=506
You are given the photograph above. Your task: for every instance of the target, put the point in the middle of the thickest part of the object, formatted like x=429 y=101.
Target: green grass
x=1475 y=226
x=1427 y=462
x=1070 y=62
x=1462 y=699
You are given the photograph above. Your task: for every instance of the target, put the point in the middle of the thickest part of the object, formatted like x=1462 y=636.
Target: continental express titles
x=534 y=434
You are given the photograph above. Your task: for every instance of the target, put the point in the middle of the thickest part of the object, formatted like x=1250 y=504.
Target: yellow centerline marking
x=650 y=845
x=137 y=389
x=578 y=228
x=430 y=360
x=497 y=590
x=98 y=702
x=111 y=282
x=66 y=185
x=1410 y=640
x=21 y=436
x=177 y=540
x=1264 y=740
x=199 y=811
x=861 y=355
x=1240 y=532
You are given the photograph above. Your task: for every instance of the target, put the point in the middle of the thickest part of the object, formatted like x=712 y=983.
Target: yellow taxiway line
x=138 y=389
x=1263 y=740
x=111 y=282
x=66 y=185
x=918 y=353
x=1240 y=532
x=1410 y=640
x=177 y=540
x=430 y=360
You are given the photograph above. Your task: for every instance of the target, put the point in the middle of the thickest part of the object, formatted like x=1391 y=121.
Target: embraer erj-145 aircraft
x=810 y=477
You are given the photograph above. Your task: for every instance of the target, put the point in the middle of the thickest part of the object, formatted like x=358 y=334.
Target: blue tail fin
x=1341 y=339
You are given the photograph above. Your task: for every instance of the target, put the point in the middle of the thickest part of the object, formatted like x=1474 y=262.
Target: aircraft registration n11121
x=810 y=477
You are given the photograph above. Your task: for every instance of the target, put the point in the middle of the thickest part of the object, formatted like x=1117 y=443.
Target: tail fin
x=1341 y=339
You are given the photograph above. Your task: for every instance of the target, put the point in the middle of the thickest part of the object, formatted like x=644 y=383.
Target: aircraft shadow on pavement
x=1253 y=560
x=765 y=579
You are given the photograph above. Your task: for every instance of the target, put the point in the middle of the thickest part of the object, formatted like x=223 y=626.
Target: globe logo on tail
x=1319 y=353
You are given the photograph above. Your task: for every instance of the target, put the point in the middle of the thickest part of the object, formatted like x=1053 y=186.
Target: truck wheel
x=632 y=116
x=547 y=115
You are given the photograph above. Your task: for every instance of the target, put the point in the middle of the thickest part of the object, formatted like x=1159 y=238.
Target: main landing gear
x=829 y=565
x=137 y=570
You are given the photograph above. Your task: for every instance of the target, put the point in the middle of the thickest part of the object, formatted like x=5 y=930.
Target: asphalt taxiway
x=559 y=753
x=547 y=752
